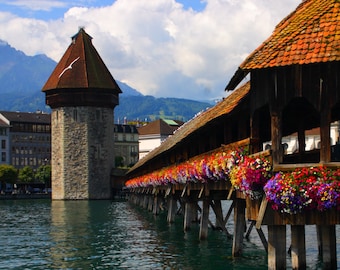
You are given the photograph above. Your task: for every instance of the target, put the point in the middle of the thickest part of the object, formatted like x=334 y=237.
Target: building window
x=3 y=156
x=75 y=115
x=98 y=115
x=3 y=144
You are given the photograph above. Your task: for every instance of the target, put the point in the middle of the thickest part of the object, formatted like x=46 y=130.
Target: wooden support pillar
x=239 y=226
x=262 y=238
x=203 y=234
x=145 y=201
x=188 y=214
x=325 y=125
x=156 y=204
x=254 y=133
x=217 y=207
x=252 y=223
x=276 y=135
x=172 y=209
x=298 y=247
x=195 y=210
x=277 y=247
x=150 y=202
x=301 y=139
x=327 y=245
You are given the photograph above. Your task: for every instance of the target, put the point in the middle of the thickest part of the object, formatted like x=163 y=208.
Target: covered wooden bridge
x=294 y=87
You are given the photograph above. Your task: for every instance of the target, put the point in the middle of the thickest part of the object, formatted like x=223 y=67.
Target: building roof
x=3 y=124
x=226 y=106
x=81 y=67
x=310 y=34
x=27 y=117
x=121 y=128
x=160 y=126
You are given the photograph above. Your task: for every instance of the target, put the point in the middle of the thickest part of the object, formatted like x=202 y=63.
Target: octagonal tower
x=82 y=95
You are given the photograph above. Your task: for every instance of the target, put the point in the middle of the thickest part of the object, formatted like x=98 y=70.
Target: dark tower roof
x=81 y=77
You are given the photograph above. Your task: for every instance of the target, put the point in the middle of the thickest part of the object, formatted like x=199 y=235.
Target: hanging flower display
x=316 y=188
x=250 y=176
x=245 y=173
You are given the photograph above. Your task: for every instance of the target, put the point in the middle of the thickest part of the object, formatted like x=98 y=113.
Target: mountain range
x=22 y=78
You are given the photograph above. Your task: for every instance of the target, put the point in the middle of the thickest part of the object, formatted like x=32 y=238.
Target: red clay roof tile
x=310 y=34
x=310 y=30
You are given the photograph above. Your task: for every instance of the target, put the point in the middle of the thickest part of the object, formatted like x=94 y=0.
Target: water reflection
x=70 y=234
x=100 y=235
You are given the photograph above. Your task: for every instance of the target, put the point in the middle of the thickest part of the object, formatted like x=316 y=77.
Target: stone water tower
x=82 y=95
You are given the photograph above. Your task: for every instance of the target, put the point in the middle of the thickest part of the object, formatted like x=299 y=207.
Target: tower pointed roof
x=308 y=35
x=81 y=78
x=81 y=67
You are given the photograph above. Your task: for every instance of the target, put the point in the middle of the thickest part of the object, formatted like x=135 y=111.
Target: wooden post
x=156 y=202
x=298 y=248
x=301 y=140
x=172 y=209
x=254 y=133
x=327 y=246
x=150 y=202
x=325 y=124
x=262 y=238
x=203 y=234
x=277 y=247
x=319 y=238
x=252 y=223
x=188 y=211
x=276 y=135
x=239 y=226
x=217 y=207
x=145 y=201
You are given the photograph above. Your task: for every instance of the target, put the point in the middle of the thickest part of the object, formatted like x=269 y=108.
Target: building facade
x=126 y=145
x=154 y=133
x=25 y=139
x=4 y=139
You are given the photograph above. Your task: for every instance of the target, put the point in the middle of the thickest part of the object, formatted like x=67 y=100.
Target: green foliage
x=8 y=174
x=26 y=175
x=151 y=108
x=119 y=161
x=43 y=174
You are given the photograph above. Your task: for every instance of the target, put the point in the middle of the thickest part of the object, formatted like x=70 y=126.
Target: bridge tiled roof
x=310 y=34
x=226 y=106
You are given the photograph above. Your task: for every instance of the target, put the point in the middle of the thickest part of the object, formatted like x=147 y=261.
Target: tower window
x=75 y=115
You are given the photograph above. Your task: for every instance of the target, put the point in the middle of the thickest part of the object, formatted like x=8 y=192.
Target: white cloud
x=158 y=47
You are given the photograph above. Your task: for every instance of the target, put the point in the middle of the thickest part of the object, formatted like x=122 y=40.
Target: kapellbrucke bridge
x=294 y=87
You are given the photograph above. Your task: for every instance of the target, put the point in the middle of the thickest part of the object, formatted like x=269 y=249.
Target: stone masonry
x=82 y=152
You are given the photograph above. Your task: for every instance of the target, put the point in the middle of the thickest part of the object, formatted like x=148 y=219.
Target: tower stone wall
x=82 y=152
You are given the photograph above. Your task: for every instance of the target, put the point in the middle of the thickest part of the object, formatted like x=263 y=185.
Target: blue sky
x=54 y=9
x=165 y=48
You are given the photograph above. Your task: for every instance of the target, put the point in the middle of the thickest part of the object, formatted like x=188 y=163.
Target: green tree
x=8 y=174
x=43 y=174
x=119 y=161
x=26 y=175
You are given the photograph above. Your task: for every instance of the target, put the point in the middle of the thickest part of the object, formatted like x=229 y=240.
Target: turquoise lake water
x=44 y=234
